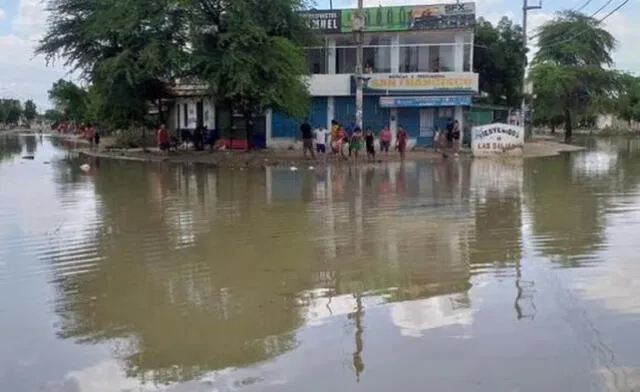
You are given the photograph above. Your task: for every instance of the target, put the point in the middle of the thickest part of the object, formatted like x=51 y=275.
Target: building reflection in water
x=202 y=261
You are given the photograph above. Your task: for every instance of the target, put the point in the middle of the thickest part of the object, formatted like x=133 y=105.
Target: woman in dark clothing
x=96 y=138
x=368 y=139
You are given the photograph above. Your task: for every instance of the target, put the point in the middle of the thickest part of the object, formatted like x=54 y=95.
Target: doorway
x=426 y=129
x=199 y=113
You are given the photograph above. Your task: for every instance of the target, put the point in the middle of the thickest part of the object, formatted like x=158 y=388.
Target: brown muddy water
x=453 y=276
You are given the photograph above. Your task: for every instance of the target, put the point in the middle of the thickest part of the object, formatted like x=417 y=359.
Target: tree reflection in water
x=184 y=311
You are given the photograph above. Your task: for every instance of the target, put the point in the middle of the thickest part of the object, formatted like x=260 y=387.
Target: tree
x=500 y=58
x=128 y=50
x=251 y=80
x=69 y=99
x=10 y=111
x=627 y=102
x=53 y=116
x=30 y=110
x=569 y=68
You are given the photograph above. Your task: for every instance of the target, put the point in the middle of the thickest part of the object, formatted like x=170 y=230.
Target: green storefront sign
x=419 y=17
x=380 y=19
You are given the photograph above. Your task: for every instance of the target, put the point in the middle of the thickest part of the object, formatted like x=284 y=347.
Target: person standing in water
x=385 y=140
x=401 y=141
x=307 y=139
x=356 y=142
x=96 y=138
x=456 y=137
x=369 y=139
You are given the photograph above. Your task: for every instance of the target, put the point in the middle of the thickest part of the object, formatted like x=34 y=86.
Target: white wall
x=177 y=113
x=330 y=85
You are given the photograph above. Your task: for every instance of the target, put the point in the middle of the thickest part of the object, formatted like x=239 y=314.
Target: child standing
x=356 y=142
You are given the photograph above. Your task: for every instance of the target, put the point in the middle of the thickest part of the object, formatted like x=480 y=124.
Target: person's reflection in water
x=307 y=186
x=401 y=185
x=368 y=178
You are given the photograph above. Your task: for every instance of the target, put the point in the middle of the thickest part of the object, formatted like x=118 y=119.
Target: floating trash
x=293 y=168
x=85 y=167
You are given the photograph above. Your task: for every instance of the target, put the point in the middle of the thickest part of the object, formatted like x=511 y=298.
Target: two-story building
x=418 y=74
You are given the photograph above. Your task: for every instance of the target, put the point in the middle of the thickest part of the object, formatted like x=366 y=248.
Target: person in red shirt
x=163 y=138
x=401 y=141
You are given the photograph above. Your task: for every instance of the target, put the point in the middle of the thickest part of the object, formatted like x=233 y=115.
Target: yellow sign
x=423 y=82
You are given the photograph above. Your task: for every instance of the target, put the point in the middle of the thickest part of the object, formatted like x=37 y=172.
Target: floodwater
x=454 y=276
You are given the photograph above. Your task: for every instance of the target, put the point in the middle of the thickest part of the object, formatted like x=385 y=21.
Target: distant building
x=418 y=65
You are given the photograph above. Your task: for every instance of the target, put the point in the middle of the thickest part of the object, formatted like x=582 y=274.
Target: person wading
x=369 y=139
x=401 y=141
x=307 y=139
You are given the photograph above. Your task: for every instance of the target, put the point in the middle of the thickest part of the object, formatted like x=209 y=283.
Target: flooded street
x=452 y=276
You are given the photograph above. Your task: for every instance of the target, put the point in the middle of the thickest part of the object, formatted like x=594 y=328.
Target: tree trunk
x=568 y=126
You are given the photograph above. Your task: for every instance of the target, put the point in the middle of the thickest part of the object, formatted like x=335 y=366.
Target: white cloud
x=31 y=18
x=22 y=75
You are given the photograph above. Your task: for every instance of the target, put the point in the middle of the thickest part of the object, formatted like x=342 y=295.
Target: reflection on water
x=187 y=278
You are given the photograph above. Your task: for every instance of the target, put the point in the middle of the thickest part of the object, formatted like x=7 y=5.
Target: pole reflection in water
x=196 y=279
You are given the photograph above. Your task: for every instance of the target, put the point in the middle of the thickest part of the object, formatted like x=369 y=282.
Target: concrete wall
x=177 y=118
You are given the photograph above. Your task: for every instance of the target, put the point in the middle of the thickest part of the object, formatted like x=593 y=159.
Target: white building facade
x=418 y=64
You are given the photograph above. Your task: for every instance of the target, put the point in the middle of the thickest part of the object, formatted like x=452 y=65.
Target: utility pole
x=358 y=29
x=523 y=110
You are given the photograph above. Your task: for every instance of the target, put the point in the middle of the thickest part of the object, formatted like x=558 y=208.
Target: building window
x=317 y=60
x=432 y=52
x=186 y=115
x=376 y=54
x=467 y=58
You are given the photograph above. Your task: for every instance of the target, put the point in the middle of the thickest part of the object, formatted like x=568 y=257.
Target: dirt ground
x=540 y=147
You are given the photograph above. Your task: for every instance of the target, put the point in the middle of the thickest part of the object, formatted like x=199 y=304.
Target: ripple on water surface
x=139 y=277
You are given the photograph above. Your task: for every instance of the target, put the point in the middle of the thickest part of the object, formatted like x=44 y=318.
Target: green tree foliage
x=250 y=80
x=128 y=50
x=10 y=111
x=131 y=53
x=69 y=99
x=500 y=58
x=53 y=116
x=30 y=110
x=627 y=102
x=569 y=71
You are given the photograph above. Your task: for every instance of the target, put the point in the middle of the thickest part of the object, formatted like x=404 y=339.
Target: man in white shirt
x=321 y=140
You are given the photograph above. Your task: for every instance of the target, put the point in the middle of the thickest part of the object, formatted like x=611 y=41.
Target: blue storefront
x=421 y=116
x=283 y=126
x=420 y=103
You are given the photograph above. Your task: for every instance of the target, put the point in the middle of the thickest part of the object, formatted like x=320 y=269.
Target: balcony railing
x=403 y=58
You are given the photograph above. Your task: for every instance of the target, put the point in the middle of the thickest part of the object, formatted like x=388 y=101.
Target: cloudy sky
x=22 y=23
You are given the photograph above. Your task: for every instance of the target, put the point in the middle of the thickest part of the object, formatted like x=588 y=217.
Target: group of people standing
x=85 y=131
x=347 y=143
x=448 y=138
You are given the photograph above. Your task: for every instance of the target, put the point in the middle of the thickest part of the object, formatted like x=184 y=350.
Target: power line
x=585 y=30
x=606 y=4
x=584 y=5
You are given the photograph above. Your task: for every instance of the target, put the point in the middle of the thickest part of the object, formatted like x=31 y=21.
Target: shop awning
x=424 y=101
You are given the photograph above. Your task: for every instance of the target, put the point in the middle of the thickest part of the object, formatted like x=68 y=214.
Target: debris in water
x=311 y=168
x=85 y=168
x=293 y=168
x=47 y=162
x=28 y=157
